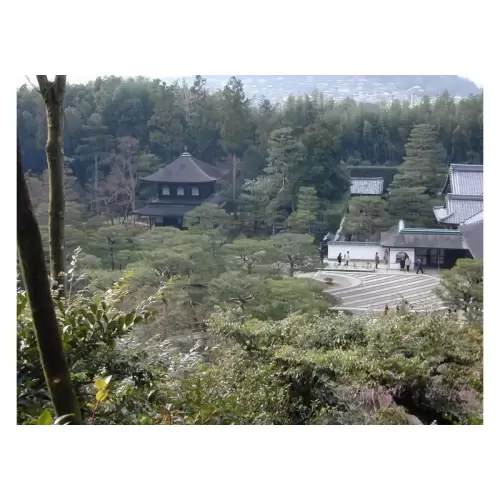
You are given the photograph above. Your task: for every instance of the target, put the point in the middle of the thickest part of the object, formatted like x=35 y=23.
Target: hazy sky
x=478 y=80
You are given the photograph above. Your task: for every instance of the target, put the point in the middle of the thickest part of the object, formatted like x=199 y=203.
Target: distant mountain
x=367 y=88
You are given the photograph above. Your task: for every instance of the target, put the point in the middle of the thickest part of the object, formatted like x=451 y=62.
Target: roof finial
x=185 y=152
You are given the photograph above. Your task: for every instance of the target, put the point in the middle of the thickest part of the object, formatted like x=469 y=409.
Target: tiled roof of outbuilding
x=367 y=185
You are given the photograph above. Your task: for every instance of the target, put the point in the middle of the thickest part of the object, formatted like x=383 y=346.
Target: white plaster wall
x=392 y=256
x=356 y=252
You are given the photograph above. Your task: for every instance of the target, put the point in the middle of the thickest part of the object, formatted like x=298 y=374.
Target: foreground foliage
x=304 y=369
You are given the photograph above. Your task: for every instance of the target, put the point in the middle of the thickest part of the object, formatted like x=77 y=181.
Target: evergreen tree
x=304 y=218
x=294 y=250
x=284 y=157
x=424 y=161
x=236 y=132
x=412 y=205
x=253 y=202
x=167 y=125
x=462 y=288
x=248 y=253
x=92 y=153
x=367 y=216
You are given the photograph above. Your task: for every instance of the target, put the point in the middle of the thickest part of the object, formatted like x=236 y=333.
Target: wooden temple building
x=182 y=185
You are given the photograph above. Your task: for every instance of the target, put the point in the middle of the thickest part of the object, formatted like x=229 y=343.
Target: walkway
x=372 y=291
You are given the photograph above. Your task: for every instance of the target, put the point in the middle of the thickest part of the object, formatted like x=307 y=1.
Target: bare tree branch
x=34 y=86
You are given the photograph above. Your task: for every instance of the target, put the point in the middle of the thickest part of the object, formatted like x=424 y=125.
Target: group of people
x=405 y=263
x=345 y=258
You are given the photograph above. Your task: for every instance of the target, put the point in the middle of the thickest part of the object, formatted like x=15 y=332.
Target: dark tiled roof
x=160 y=210
x=185 y=169
x=458 y=208
x=422 y=238
x=473 y=238
x=465 y=179
x=367 y=185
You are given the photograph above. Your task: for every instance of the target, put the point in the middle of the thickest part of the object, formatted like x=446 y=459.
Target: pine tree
x=423 y=165
x=90 y=154
x=284 y=157
x=253 y=202
x=367 y=216
x=237 y=130
x=304 y=218
x=412 y=205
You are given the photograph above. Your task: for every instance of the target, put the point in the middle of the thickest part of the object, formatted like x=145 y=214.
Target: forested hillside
x=216 y=324
x=118 y=130
x=165 y=119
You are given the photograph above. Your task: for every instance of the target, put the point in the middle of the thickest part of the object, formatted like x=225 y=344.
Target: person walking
x=321 y=254
x=402 y=263
x=420 y=266
x=408 y=263
x=377 y=260
x=386 y=256
x=339 y=258
x=346 y=259
x=386 y=309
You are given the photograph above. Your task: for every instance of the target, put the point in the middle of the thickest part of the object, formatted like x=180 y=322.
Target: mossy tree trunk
x=36 y=281
x=53 y=96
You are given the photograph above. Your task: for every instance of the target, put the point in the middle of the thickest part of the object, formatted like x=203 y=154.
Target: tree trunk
x=126 y=213
x=96 y=184
x=291 y=268
x=37 y=285
x=112 y=255
x=234 y=185
x=53 y=96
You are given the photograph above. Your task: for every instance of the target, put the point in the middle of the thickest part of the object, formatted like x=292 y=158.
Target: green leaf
x=101 y=395
x=111 y=343
x=60 y=306
x=45 y=418
x=129 y=317
x=93 y=308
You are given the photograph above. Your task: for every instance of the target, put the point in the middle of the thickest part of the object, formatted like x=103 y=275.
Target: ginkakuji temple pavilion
x=182 y=185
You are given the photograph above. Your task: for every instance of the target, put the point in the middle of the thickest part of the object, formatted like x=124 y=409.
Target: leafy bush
x=90 y=328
